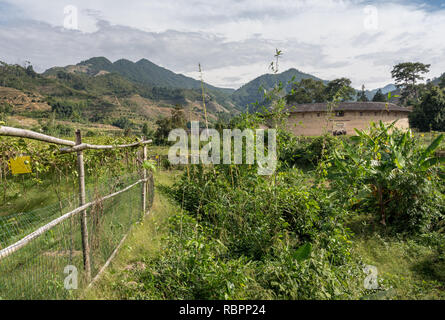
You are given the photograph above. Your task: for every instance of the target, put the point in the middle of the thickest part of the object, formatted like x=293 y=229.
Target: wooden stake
x=83 y=216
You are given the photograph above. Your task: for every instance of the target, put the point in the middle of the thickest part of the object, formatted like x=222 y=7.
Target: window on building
x=361 y=114
x=318 y=114
x=339 y=113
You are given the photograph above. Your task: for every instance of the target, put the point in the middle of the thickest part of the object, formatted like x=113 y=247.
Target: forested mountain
x=100 y=91
x=143 y=72
x=251 y=92
x=83 y=95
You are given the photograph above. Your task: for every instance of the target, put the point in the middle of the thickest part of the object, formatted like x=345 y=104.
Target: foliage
x=442 y=81
x=165 y=125
x=123 y=123
x=147 y=132
x=406 y=76
x=340 y=89
x=312 y=91
x=233 y=242
x=5 y=109
x=149 y=165
x=254 y=90
x=307 y=91
x=387 y=172
x=379 y=96
x=305 y=151
x=361 y=96
x=430 y=113
x=48 y=165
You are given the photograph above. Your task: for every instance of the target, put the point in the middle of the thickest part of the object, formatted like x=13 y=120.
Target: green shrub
x=259 y=218
x=304 y=152
x=388 y=172
x=123 y=123
x=191 y=265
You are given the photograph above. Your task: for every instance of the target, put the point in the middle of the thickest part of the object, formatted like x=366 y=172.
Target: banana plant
x=370 y=165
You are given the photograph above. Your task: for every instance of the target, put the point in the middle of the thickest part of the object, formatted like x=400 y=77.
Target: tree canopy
x=406 y=76
x=340 y=88
x=313 y=91
x=361 y=95
x=430 y=113
x=379 y=96
x=307 y=91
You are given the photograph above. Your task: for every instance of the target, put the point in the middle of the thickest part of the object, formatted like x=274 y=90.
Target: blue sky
x=233 y=40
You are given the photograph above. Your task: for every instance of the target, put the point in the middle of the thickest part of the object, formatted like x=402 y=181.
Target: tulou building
x=314 y=119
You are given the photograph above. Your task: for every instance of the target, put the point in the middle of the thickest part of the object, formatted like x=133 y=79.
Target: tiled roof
x=347 y=106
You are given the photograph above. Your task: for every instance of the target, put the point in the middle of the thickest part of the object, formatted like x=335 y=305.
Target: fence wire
x=37 y=271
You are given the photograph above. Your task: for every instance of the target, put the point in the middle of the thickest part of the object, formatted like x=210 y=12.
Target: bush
x=191 y=265
x=266 y=221
x=388 y=172
x=304 y=152
x=123 y=123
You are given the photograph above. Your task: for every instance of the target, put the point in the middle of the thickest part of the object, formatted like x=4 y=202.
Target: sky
x=233 y=40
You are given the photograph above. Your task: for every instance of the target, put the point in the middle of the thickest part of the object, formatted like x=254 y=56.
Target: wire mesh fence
x=39 y=270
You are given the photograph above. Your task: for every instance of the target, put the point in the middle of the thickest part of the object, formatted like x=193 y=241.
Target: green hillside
x=250 y=92
x=146 y=75
x=143 y=72
x=93 y=96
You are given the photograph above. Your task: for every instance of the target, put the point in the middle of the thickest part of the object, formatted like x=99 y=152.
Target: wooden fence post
x=144 y=183
x=83 y=216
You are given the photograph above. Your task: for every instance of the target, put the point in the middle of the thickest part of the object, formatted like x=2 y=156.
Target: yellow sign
x=20 y=165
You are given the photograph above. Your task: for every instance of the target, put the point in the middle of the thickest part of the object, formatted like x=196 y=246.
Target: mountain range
x=385 y=90
x=101 y=91
x=145 y=72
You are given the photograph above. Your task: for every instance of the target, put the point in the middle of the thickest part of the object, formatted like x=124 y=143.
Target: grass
x=427 y=137
x=408 y=268
x=144 y=240
x=37 y=270
x=23 y=195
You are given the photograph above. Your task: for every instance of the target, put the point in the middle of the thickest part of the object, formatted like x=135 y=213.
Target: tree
x=307 y=91
x=430 y=113
x=63 y=110
x=379 y=96
x=340 y=88
x=123 y=123
x=146 y=131
x=165 y=125
x=442 y=81
x=178 y=118
x=5 y=109
x=361 y=96
x=407 y=75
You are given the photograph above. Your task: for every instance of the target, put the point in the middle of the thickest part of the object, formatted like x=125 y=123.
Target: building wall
x=315 y=124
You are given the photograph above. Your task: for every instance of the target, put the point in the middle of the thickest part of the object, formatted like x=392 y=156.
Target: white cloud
x=234 y=39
